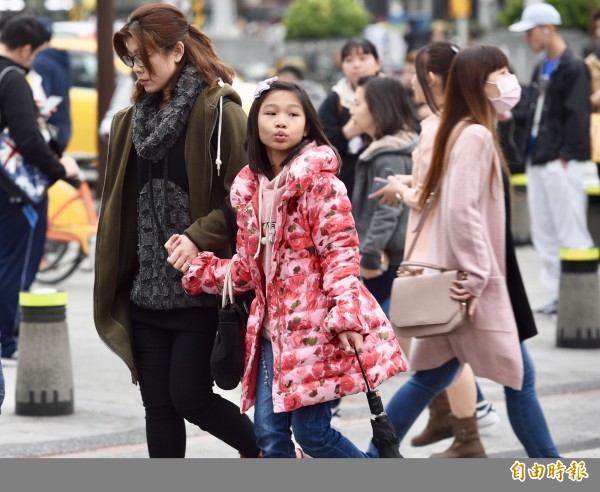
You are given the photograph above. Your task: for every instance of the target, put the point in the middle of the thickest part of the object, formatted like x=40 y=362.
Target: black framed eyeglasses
x=130 y=61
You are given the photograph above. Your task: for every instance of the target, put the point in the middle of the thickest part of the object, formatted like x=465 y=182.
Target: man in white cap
x=559 y=145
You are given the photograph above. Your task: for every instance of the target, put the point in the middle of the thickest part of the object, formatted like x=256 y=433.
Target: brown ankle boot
x=466 y=440
x=439 y=425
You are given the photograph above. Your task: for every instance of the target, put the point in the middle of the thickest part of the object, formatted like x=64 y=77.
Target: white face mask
x=510 y=93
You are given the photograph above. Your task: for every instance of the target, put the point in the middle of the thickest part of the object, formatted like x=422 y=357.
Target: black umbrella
x=385 y=438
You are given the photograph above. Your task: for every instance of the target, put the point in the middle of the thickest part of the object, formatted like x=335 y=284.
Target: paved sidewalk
x=109 y=421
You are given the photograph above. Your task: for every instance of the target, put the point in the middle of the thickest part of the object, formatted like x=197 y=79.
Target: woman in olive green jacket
x=172 y=158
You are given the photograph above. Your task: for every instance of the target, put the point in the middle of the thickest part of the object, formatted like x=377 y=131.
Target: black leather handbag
x=227 y=358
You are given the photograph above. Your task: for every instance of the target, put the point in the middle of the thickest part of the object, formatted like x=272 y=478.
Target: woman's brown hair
x=465 y=98
x=435 y=57
x=388 y=104
x=159 y=27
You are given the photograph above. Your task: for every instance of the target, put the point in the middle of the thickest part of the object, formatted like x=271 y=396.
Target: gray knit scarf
x=156 y=130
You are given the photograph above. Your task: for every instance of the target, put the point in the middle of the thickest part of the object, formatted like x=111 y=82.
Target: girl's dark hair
x=159 y=27
x=465 y=98
x=362 y=45
x=258 y=158
x=388 y=104
x=434 y=57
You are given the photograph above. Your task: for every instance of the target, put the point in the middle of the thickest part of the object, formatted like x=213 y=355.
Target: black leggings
x=175 y=383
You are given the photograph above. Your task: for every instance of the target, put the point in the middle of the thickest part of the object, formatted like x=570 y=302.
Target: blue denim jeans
x=21 y=250
x=1 y=385
x=381 y=287
x=526 y=416
x=310 y=425
x=524 y=411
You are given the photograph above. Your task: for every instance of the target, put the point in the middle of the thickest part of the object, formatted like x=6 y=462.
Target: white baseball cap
x=538 y=14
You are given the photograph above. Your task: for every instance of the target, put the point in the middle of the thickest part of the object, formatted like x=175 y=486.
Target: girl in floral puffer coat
x=297 y=247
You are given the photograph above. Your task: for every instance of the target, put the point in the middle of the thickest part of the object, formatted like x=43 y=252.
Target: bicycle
x=71 y=231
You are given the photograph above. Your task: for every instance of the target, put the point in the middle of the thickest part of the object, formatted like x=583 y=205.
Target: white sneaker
x=486 y=414
x=11 y=361
x=551 y=307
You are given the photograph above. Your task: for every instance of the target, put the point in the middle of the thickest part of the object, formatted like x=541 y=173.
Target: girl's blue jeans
x=310 y=425
x=524 y=412
x=1 y=385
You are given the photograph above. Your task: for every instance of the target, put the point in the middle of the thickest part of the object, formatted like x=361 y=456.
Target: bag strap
x=429 y=202
x=227 y=297
x=423 y=264
x=2 y=74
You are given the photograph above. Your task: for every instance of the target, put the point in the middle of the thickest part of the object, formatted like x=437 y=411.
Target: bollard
x=578 y=320
x=593 y=212
x=44 y=375
x=520 y=210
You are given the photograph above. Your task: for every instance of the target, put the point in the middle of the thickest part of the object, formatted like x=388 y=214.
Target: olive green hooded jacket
x=116 y=244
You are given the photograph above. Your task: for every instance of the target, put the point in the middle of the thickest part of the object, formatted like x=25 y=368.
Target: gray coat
x=381 y=228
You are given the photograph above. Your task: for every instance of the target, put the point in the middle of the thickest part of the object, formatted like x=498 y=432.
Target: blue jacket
x=54 y=66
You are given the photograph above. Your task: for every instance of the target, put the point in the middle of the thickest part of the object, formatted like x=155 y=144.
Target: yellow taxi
x=84 y=96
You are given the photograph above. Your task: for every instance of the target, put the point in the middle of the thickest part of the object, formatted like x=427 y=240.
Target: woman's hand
x=409 y=271
x=351 y=129
x=391 y=193
x=595 y=99
x=181 y=252
x=461 y=295
x=369 y=273
x=349 y=339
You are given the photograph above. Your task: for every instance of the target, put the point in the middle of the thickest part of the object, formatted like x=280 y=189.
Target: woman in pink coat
x=468 y=233
x=297 y=247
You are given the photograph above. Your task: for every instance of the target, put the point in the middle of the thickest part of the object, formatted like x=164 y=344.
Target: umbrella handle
x=362 y=370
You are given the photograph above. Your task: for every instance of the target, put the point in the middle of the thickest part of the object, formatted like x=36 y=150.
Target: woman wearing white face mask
x=469 y=233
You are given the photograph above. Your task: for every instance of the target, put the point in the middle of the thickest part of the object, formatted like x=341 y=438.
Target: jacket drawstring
x=260 y=192
x=218 y=161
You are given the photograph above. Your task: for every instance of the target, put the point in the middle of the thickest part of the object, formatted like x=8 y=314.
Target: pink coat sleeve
x=336 y=241
x=466 y=182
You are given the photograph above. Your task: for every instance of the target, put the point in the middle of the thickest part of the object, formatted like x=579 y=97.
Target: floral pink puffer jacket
x=313 y=290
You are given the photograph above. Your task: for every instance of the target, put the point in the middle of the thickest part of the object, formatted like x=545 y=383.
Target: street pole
x=460 y=11
x=462 y=32
x=106 y=78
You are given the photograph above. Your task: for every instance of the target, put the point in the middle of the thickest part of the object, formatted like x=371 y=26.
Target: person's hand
x=423 y=111
x=70 y=165
x=368 y=273
x=409 y=271
x=391 y=193
x=461 y=295
x=351 y=129
x=595 y=99
x=405 y=179
x=349 y=340
x=181 y=252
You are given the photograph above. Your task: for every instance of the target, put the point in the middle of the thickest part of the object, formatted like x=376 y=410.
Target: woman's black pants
x=175 y=383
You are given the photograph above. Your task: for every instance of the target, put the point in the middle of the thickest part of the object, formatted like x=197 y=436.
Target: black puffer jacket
x=564 y=130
